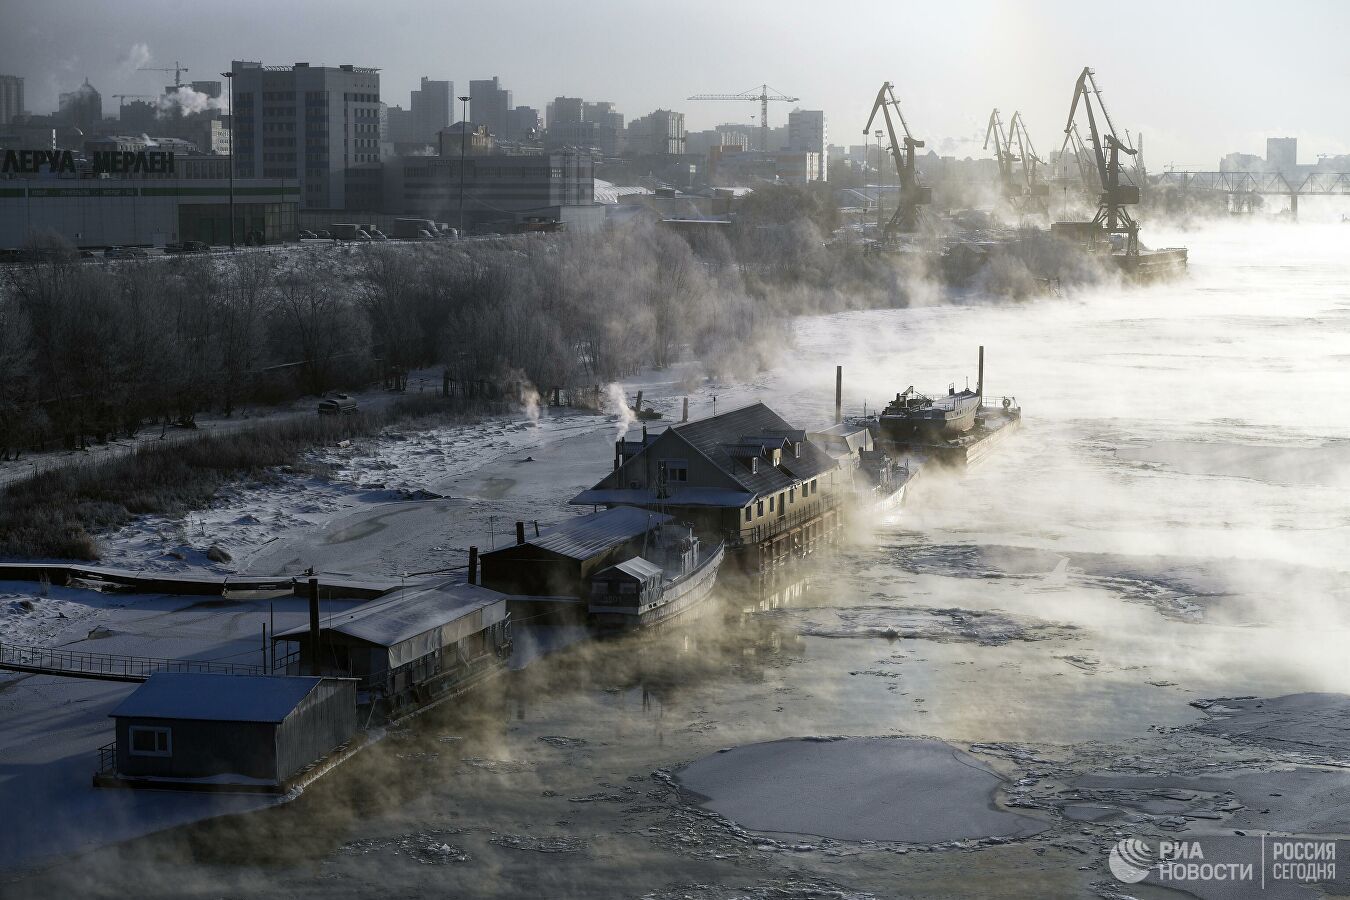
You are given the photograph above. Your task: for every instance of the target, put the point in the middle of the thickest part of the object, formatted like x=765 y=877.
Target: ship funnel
x=979 y=381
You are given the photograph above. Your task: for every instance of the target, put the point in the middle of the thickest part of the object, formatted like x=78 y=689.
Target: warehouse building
x=254 y=732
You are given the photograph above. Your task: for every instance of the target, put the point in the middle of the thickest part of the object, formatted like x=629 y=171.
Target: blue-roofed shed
x=243 y=730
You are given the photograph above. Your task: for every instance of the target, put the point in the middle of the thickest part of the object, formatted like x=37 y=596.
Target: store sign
x=112 y=162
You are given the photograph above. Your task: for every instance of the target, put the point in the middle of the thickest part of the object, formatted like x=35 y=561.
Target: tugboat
x=641 y=593
x=914 y=417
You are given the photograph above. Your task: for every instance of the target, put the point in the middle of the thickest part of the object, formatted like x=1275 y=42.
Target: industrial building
x=316 y=126
x=256 y=732
x=101 y=212
x=560 y=560
x=11 y=98
x=500 y=192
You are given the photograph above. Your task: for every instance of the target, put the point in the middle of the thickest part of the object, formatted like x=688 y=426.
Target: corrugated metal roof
x=715 y=437
x=216 y=698
x=677 y=496
x=406 y=614
x=639 y=568
x=586 y=536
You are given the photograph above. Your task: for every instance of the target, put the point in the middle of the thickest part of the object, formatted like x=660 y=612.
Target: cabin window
x=150 y=741
x=628 y=588
x=749 y=514
x=676 y=470
x=759 y=508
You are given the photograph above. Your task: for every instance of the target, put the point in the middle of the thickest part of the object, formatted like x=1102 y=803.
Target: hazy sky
x=1199 y=79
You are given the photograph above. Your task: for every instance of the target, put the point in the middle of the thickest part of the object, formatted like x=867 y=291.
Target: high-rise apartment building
x=490 y=105
x=1282 y=154
x=806 y=132
x=432 y=108
x=565 y=111
x=523 y=123
x=315 y=124
x=11 y=97
x=659 y=133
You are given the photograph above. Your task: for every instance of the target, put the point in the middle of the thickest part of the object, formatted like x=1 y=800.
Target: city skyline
x=1159 y=80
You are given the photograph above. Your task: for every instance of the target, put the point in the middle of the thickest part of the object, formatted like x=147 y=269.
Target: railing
x=107 y=759
x=108 y=666
x=781 y=524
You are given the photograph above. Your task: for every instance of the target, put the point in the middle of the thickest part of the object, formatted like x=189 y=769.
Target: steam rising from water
x=529 y=402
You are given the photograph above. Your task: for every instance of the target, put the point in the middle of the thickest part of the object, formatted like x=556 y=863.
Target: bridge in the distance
x=1244 y=183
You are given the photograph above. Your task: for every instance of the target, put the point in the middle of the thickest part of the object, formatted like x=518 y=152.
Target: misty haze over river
x=1171 y=524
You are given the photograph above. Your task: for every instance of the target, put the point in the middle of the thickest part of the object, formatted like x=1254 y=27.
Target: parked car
x=378 y=235
x=307 y=235
x=326 y=235
x=136 y=252
x=115 y=253
x=338 y=404
x=363 y=235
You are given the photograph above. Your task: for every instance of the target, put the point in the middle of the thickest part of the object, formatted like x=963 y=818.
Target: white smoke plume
x=616 y=404
x=529 y=402
x=136 y=56
x=187 y=101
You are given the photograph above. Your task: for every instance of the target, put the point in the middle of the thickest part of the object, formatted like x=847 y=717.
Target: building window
x=676 y=470
x=792 y=495
x=759 y=508
x=748 y=514
x=770 y=504
x=150 y=741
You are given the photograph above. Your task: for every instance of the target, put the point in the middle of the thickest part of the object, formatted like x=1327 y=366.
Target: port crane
x=177 y=69
x=1106 y=148
x=763 y=94
x=1002 y=142
x=912 y=194
x=1036 y=196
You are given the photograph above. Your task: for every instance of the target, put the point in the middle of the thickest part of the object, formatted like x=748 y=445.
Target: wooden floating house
x=416 y=647
x=746 y=477
x=189 y=731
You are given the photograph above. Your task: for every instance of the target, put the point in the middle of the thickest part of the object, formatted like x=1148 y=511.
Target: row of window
x=361 y=98
x=782 y=501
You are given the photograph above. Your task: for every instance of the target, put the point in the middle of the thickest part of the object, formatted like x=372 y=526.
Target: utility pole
x=229 y=77
x=463 y=143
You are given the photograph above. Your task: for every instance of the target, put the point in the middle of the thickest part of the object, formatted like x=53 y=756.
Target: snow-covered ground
x=370 y=517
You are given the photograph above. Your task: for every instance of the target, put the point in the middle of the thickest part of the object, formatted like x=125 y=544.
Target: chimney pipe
x=618 y=453
x=536 y=528
x=838 y=394
x=520 y=532
x=473 y=565
x=638 y=405
x=644 y=435
x=314 y=626
x=979 y=383
x=685 y=417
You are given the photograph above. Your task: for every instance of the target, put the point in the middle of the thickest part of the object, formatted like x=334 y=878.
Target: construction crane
x=1004 y=155
x=1036 y=194
x=763 y=94
x=177 y=69
x=1106 y=146
x=912 y=194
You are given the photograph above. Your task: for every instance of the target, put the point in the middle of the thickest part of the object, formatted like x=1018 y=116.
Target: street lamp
x=463 y=142
x=229 y=76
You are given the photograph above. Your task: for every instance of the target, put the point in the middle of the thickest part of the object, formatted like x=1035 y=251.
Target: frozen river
x=1172 y=524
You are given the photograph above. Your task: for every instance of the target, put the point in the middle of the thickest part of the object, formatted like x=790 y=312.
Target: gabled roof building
x=746 y=476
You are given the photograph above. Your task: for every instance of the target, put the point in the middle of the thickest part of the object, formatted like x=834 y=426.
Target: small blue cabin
x=256 y=731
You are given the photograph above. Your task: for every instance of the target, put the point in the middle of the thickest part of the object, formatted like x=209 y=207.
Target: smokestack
x=979 y=382
x=685 y=416
x=536 y=528
x=473 y=565
x=644 y=435
x=314 y=626
x=638 y=406
x=520 y=532
x=838 y=394
x=618 y=453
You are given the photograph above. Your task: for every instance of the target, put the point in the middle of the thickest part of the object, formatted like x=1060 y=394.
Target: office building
x=523 y=123
x=315 y=125
x=565 y=111
x=806 y=133
x=11 y=98
x=490 y=105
